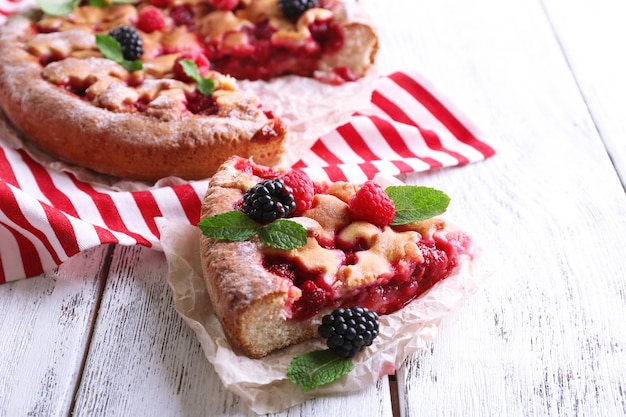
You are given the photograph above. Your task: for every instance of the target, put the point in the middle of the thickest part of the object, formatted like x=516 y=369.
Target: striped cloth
x=8 y=7
x=46 y=216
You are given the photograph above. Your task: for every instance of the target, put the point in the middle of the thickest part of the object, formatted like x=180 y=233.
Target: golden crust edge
x=249 y=302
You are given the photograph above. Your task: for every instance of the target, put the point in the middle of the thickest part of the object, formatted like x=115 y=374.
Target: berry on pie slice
x=149 y=89
x=268 y=295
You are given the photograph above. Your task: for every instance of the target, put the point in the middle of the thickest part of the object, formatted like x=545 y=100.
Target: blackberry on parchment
x=349 y=330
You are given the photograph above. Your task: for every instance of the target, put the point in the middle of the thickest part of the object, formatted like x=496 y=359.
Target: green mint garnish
x=58 y=7
x=283 y=234
x=415 y=203
x=65 y=7
x=204 y=85
x=235 y=226
x=97 y=3
x=232 y=225
x=111 y=49
x=320 y=367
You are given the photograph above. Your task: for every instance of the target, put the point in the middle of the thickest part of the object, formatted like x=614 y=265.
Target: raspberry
x=302 y=188
x=150 y=19
x=294 y=8
x=268 y=200
x=372 y=204
x=224 y=4
x=129 y=40
x=349 y=330
x=201 y=61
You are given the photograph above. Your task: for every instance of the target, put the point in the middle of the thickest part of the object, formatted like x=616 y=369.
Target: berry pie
x=357 y=248
x=149 y=89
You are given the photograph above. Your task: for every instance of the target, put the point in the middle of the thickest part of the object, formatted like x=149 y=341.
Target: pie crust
x=354 y=262
x=64 y=96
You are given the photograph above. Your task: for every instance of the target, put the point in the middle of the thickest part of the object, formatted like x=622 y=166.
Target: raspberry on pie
x=267 y=298
x=62 y=92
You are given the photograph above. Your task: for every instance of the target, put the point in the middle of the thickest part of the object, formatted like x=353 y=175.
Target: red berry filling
x=260 y=58
x=328 y=35
x=182 y=15
x=391 y=293
x=224 y=4
x=198 y=103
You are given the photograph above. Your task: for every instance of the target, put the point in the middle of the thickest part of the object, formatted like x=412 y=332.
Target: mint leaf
x=283 y=234
x=190 y=68
x=415 y=203
x=97 y=3
x=204 y=85
x=131 y=66
x=232 y=225
x=58 y=7
x=316 y=368
x=65 y=7
x=111 y=49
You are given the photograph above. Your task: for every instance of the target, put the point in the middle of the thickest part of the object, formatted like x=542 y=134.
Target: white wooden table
x=545 y=80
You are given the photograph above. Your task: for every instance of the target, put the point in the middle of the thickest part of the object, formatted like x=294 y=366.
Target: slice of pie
x=79 y=103
x=268 y=296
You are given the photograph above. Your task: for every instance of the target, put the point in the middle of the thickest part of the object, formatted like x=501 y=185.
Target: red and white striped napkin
x=46 y=215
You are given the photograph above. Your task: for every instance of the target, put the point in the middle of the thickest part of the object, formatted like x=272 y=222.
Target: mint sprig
x=58 y=8
x=236 y=226
x=111 y=49
x=283 y=234
x=414 y=203
x=206 y=86
x=65 y=7
x=320 y=367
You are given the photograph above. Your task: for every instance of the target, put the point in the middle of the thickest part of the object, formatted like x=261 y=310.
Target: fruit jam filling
x=262 y=56
x=388 y=294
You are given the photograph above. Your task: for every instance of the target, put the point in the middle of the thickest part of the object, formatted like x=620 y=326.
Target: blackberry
x=129 y=40
x=349 y=330
x=268 y=200
x=295 y=8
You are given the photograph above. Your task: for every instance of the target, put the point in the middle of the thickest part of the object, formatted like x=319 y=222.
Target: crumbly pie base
x=263 y=309
x=63 y=95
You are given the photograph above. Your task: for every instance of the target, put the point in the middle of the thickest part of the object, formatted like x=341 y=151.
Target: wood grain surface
x=544 y=81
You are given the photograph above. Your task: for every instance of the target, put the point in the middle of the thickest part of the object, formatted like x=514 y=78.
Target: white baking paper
x=262 y=383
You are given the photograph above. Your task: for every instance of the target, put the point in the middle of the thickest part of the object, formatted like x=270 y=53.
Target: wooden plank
x=45 y=323
x=542 y=337
x=592 y=35
x=144 y=360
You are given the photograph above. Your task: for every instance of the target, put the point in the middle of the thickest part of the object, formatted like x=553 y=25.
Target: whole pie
x=353 y=253
x=80 y=104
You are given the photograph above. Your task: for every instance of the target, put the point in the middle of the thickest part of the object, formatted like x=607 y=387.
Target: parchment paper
x=262 y=383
